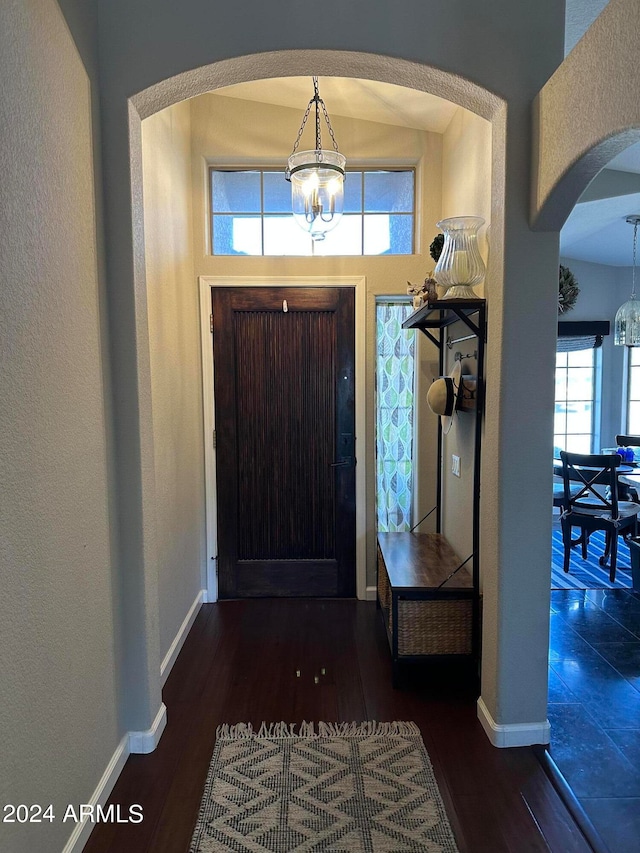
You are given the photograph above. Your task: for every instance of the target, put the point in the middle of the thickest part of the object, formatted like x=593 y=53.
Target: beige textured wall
x=466 y=191
x=176 y=384
x=58 y=711
x=586 y=113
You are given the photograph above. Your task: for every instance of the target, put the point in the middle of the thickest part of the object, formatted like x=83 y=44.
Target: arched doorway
x=499 y=547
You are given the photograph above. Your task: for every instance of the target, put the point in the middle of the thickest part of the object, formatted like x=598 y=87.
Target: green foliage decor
x=435 y=249
x=568 y=290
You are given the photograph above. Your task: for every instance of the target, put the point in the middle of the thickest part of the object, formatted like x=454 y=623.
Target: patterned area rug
x=588 y=574
x=345 y=788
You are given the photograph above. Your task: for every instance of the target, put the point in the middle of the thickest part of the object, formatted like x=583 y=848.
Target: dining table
x=624 y=471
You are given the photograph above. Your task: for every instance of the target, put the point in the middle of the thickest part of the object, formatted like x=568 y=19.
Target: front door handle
x=341 y=464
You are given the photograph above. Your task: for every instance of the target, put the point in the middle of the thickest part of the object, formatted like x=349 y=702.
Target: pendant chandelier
x=316 y=177
x=627 y=322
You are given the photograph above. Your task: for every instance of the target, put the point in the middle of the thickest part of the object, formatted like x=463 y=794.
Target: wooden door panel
x=285 y=433
x=268 y=578
x=285 y=444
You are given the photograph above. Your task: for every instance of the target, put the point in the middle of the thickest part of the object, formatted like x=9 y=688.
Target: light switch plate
x=455 y=465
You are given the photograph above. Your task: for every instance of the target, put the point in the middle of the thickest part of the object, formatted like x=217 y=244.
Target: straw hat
x=443 y=396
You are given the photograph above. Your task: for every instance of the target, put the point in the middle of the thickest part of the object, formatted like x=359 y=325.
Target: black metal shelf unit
x=433 y=320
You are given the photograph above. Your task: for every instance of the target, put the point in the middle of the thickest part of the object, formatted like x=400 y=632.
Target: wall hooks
x=459 y=357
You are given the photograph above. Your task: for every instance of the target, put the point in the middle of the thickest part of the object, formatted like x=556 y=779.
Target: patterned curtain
x=395 y=349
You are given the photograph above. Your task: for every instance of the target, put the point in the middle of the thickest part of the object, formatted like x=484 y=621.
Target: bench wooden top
x=422 y=560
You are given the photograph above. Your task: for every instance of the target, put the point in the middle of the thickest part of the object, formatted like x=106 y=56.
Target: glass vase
x=460 y=265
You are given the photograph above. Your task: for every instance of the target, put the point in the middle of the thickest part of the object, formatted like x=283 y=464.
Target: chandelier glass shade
x=627 y=322
x=317 y=178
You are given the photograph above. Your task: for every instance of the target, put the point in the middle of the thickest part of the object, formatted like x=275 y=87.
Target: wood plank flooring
x=239 y=663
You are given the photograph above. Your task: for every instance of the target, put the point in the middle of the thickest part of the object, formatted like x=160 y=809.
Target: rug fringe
x=370 y=728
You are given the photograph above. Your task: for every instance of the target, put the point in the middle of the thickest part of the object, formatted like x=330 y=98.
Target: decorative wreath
x=568 y=290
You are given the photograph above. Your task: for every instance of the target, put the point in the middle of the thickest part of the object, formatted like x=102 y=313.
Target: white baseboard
x=176 y=645
x=512 y=734
x=133 y=742
x=82 y=830
x=371 y=593
x=144 y=742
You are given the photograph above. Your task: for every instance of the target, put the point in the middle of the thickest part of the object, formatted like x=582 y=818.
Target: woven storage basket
x=431 y=627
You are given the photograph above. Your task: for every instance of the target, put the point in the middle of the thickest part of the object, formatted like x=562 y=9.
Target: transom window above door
x=251 y=215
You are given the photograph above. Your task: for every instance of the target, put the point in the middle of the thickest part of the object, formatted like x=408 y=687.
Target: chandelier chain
x=331 y=133
x=319 y=104
x=633 y=268
x=317 y=99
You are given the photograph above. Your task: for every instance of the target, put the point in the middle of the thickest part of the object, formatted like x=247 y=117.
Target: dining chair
x=628 y=440
x=594 y=505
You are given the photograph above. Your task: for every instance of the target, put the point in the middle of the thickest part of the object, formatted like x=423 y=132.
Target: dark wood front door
x=285 y=441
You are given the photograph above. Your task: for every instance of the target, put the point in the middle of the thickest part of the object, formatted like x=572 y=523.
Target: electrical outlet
x=455 y=465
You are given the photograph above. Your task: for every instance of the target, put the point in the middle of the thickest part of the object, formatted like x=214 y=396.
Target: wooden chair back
x=590 y=470
x=628 y=440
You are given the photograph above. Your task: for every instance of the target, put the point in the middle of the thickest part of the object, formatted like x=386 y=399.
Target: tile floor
x=594 y=707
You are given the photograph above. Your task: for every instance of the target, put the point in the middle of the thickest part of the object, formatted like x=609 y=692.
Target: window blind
x=581 y=334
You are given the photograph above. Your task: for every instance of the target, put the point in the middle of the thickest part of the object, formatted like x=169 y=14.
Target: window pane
x=401 y=235
x=634 y=418
x=235 y=192
x=560 y=419
x=579 y=418
x=388 y=192
x=277 y=194
x=394 y=417
x=634 y=383
x=561 y=384
x=377 y=236
x=579 y=443
x=237 y=235
x=580 y=358
x=559 y=443
x=345 y=239
x=283 y=236
x=634 y=355
x=561 y=359
x=384 y=234
x=580 y=383
x=353 y=192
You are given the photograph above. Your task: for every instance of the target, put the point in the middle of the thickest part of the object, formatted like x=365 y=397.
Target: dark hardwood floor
x=240 y=663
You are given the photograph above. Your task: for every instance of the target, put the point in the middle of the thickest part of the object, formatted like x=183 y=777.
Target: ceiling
x=595 y=231
x=361 y=99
